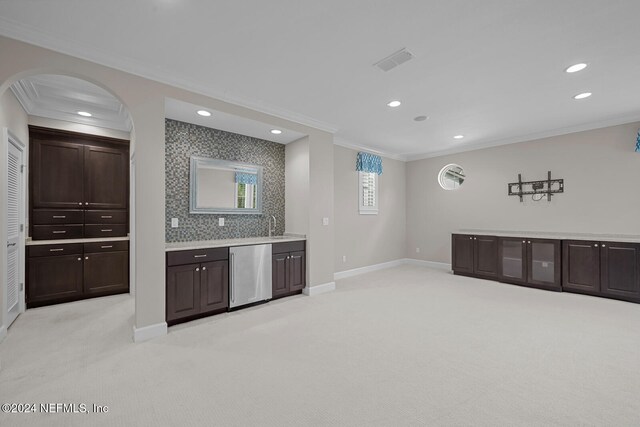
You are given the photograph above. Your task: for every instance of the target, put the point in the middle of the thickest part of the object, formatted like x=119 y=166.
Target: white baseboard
x=319 y=289
x=3 y=332
x=356 y=271
x=149 y=332
x=431 y=264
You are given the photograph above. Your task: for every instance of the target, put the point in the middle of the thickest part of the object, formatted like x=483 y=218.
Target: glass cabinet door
x=512 y=259
x=543 y=262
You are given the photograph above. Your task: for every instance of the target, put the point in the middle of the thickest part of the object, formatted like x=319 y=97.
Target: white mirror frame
x=227 y=164
x=442 y=172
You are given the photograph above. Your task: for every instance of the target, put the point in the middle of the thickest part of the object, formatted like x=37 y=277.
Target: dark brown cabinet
x=288 y=268
x=530 y=262
x=197 y=283
x=606 y=269
x=475 y=255
x=78 y=183
x=69 y=272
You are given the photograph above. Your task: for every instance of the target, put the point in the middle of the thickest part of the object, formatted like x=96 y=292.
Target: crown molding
x=32 y=35
x=348 y=144
x=530 y=137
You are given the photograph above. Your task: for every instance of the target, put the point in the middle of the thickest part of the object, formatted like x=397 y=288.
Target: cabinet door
x=462 y=253
x=581 y=266
x=214 y=286
x=279 y=276
x=183 y=291
x=543 y=263
x=512 y=255
x=56 y=174
x=485 y=256
x=619 y=265
x=54 y=279
x=106 y=172
x=296 y=271
x=106 y=272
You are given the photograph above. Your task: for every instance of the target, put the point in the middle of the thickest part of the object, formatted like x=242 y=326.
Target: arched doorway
x=67 y=104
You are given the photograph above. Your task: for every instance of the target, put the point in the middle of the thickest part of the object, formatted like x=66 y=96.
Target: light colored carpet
x=403 y=346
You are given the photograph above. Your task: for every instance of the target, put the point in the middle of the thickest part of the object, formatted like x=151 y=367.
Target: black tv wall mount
x=546 y=187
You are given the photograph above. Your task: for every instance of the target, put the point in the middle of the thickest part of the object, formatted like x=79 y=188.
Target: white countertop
x=221 y=243
x=622 y=238
x=30 y=242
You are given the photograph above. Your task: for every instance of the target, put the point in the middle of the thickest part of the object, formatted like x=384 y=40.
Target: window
x=245 y=195
x=368 y=193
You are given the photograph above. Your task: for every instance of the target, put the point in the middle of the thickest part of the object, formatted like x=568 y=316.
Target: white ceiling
x=491 y=70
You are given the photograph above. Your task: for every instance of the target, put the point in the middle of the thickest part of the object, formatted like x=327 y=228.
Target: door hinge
x=22 y=286
x=22 y=168
x=21 y=227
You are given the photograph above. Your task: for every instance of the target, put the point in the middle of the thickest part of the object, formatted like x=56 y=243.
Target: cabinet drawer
x=122 y=245
x=196 y=256
x=54 y=232
x=105 y=230
x=278 y=248
x=51 y=216
x=105 y=217
x=54 y=250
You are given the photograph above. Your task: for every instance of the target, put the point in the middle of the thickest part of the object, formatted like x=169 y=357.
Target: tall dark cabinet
x=78 y=188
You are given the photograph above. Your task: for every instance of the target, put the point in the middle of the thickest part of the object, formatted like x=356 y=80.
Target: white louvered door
x=14 y=232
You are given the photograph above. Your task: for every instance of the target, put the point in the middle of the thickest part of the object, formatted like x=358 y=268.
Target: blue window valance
x=638 y=142
x=367 y=162
x=246 y=178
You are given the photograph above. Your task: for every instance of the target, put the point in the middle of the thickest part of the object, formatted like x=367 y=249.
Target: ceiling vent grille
x=393 y=60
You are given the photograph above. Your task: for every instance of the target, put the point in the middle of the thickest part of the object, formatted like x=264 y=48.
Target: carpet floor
x=406 y=346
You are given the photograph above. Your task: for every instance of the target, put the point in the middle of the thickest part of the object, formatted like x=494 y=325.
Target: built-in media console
x=599 y=266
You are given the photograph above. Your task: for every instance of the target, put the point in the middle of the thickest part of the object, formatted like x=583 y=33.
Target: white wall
x=368 y=239
x=601 y=174
x=14 y=118
x=296 y=177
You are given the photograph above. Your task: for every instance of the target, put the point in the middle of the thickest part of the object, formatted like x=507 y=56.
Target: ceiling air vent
x=393 y=60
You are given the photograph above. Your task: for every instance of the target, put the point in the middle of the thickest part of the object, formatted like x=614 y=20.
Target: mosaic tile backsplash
x=184 y=140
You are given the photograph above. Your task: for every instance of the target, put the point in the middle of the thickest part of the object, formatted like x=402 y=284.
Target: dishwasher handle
x=233 y=289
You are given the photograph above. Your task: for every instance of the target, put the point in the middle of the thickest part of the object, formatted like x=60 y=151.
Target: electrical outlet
x=325 y=221
x=344 y=258
x=174 y=222
x=417 y=250
x=221 y=222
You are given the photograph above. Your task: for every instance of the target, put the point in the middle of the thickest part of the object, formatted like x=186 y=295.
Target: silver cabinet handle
x=106 y=230
x=106 y=247
x=524 y=241
x=86 y=257
x=200 y=256
x=603 y=245
x=204 y=268
x=106 y=216
x=470 y=238
x=233 y=289
x=80 y=203
x=529 y=241
x=475 y=238
x=596 y=245
x=86 y=203
x=56 y=250
x=59 y=231
x=197 y=268
x=59 y=216
x=79 y=259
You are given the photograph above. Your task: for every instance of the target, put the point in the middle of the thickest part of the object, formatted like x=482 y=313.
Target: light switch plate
x=325 y=221
x=174 y=222
x=221 y=222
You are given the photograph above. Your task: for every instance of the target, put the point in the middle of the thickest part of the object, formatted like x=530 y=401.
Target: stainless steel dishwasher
x=250 y=278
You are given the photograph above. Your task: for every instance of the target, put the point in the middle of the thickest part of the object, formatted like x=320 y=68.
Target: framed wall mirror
x=224 y=187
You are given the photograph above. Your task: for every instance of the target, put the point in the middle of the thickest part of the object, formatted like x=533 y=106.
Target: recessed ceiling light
x=394 y=104
x=276 y=131
x=420 y=118
x=576 y=67
x=458 y=137
x=84 y=114
x=582 y=95
x=204 y=113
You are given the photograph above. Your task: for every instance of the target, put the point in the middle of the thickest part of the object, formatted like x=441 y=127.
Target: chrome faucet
x=274 y=225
